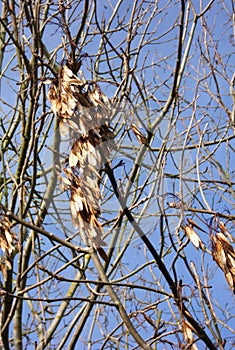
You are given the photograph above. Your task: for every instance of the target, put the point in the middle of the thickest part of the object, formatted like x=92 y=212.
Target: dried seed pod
x=218 y=252
x=225 y=231
x=193 y=237
x=188 y=335
x=139 y=135
x=226 y=244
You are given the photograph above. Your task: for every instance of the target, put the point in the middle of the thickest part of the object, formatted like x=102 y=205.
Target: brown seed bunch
x=84 y=115
x=224 y=255
x=7 y=238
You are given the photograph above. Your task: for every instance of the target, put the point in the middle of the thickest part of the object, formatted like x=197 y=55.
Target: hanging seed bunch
x=224 y=255
x=7 y=237
x=83 y=111
x=8 y=243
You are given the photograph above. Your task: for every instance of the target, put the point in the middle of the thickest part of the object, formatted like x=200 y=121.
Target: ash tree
x=117 y=174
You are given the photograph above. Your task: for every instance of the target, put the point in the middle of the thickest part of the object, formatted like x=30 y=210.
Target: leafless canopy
x=117 y=182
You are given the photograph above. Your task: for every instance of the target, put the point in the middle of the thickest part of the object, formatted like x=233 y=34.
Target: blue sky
x=154 y=65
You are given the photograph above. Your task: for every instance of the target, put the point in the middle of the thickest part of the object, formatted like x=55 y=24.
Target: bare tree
x=117 y=175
